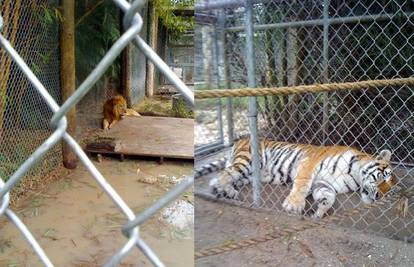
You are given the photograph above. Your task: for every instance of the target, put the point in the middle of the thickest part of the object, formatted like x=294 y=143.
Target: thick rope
x=301 y=89
x=306 y=225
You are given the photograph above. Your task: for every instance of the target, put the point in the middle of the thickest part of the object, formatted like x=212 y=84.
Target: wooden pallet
x=161 y=137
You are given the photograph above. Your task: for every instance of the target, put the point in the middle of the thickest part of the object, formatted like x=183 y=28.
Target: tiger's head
x=376 y=177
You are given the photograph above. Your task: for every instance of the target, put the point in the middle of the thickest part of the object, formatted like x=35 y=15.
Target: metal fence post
x=226 y=75
x=325 y=73
x=217 y=78
x=251 y=80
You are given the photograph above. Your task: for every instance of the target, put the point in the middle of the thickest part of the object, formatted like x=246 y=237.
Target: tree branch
x=90 y=11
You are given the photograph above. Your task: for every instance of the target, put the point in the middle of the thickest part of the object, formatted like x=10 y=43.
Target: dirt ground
x=219 y=224
x=77 y=224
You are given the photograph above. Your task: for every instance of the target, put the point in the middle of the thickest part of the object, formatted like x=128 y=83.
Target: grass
x=154 y=107
x=162 y=107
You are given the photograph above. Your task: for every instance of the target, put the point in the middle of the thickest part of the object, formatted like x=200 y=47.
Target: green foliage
x=49 y=14
x=176 y=25
x=97 y=28
x=181 y=110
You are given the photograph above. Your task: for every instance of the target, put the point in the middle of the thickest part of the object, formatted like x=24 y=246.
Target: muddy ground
x=77 y=224
x=219 y=224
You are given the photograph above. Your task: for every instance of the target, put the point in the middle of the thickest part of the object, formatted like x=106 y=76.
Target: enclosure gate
x=305 y=57
x=133 y=24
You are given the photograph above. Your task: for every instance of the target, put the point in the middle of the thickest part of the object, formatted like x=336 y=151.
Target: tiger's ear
x=384 y=155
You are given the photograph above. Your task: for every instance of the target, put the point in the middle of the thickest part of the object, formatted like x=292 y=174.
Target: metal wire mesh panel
x=209 y=131
x=133 y=23
x=23 y=116
x=311 y=42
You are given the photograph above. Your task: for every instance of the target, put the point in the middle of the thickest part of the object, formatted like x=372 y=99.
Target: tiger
x=320 y=171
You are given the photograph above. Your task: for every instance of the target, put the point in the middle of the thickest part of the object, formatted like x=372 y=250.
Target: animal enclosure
x=279 y=44
x=38 y=89
x=23 y=116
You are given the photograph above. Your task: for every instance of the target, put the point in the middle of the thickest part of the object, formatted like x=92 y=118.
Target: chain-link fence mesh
x=308 y=42
x=23 y=116
x=40 y=97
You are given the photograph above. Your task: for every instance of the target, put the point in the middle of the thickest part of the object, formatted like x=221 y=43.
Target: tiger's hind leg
x=325 y=197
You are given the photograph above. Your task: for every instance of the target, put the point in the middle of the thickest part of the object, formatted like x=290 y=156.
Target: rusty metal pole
x=67 y=75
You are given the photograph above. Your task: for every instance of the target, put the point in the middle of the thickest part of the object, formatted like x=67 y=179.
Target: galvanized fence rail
x=315 y=44
x=133 y=23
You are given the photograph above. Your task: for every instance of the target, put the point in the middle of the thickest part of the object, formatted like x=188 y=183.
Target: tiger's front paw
x=294 y=204
x=220 y=190
x=318 y=215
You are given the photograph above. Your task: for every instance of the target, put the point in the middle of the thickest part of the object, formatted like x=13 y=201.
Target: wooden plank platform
x=147 y=136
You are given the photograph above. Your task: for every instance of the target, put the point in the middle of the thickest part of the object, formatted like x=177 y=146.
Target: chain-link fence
x=304 y=43
x=23 y=116
x=133 y=23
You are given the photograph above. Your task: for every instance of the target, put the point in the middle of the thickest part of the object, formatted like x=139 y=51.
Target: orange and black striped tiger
x=320 y=171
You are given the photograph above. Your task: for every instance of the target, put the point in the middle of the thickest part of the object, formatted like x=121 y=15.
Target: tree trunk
x=274 y=48
x=292 y=74
x=68 y=78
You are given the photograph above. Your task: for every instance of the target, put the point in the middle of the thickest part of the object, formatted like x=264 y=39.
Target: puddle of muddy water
x=77 y=224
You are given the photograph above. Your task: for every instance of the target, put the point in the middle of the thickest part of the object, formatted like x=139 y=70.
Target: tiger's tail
x=211 y=167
